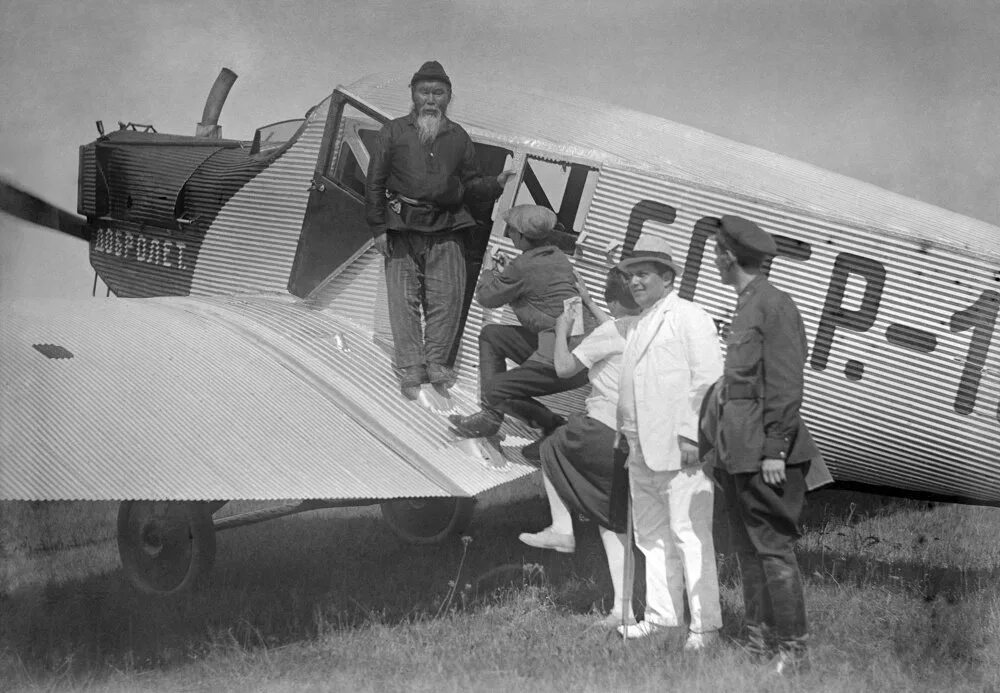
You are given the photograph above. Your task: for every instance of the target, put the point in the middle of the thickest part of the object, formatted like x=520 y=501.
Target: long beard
x=429 y=125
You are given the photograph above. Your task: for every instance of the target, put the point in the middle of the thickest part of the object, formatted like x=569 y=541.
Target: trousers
x=672 y=520
x=513 y=392
x=425 y=273
x=763 y=528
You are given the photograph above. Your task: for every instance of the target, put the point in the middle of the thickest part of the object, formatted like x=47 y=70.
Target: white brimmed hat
x=649 y=248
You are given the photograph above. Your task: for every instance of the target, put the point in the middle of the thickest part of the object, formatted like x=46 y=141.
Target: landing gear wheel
x=428 y=520
x=165 y=547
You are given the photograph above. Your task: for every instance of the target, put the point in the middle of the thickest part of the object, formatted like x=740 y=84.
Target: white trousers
x=672 y=517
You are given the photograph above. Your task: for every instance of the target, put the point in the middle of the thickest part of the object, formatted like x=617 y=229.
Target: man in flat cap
x=423 y=168
x=671 y=358
x=765 y=459
x=535 y=284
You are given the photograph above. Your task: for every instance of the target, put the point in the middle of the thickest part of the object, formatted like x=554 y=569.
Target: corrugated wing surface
x=185 y=399
x=358 y=295
x=885 y=411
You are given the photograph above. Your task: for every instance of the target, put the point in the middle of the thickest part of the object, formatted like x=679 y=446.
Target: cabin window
x=348 y=167
x=564 y=187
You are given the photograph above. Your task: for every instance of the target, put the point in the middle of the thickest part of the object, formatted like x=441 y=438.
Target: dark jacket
x=760 y=393
x=535 y=284
x=439 y=176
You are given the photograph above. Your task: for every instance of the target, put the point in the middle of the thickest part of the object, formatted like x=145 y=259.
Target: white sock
x=562 y=521
x=615 y=546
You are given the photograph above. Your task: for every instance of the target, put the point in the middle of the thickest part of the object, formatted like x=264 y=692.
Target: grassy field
x=902 y=596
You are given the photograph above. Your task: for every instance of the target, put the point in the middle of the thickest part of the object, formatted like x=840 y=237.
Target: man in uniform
x=765 y=458
x=422 y=168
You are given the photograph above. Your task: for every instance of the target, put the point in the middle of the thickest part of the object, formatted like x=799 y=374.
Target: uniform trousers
x=425 y=272
x=763 y=527
x=672 y=520
x=513 y=392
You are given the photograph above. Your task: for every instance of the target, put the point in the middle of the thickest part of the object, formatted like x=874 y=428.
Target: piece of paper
x=574 y=306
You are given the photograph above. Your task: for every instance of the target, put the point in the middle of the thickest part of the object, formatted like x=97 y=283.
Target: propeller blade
x=24 y=205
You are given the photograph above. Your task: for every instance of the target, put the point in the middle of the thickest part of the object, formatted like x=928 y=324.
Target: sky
x=899 y=93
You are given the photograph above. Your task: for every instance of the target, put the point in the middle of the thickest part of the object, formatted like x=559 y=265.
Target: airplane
x=246 y=354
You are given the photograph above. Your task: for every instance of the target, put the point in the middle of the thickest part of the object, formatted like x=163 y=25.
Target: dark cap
x=745 y=233
x=650 y=248
x=431 y=71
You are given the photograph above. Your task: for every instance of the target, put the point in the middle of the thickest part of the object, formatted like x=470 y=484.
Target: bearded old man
x=423 y=167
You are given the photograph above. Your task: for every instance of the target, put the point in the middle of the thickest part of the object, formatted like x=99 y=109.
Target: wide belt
x=412 y=202
x=731 y=391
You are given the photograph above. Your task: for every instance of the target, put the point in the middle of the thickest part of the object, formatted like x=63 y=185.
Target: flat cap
x=650 y=249
x=431 y=71
x=746 y=233
x=531 y=221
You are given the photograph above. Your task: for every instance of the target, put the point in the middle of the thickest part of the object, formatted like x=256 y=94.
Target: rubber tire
x=166 y=547
x=428 y=520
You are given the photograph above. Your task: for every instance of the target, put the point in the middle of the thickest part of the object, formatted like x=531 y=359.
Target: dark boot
x=759 y=641
x=533 y=450
x=756 y=603
x=784 y=588
x=756 y=606
x=792 y=657
x=482 y=424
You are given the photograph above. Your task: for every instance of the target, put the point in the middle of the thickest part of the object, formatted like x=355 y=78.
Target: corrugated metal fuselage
x=903 y=376
x=900 y=299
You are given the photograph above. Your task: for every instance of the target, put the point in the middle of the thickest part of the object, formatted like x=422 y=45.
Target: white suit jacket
x=672 y=356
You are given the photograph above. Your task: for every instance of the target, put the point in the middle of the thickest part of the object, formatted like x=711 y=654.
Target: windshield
x=275 y=134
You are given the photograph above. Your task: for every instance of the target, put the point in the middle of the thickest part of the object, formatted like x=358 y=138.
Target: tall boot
x=792 y=657
x=756 y=605
x=784 y=587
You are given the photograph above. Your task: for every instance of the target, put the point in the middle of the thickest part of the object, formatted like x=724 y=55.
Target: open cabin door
x=334 y=230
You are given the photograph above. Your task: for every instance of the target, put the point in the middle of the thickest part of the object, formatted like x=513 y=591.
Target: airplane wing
x=240 y=397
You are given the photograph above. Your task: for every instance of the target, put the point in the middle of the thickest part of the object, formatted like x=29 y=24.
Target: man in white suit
x=671 y=358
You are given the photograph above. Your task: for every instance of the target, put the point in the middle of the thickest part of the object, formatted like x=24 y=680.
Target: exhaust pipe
x=209 y=125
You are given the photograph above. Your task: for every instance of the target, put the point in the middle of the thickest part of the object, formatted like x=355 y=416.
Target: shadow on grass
x=289 y=580
x=839 y=512
x=294 y=579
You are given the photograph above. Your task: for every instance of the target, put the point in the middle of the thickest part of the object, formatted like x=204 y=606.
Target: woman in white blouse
x=578 y=460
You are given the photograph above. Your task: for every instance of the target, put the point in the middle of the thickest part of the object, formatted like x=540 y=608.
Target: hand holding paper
x=574 y=308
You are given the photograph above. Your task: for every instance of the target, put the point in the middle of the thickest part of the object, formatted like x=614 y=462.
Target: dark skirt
x=580 y=461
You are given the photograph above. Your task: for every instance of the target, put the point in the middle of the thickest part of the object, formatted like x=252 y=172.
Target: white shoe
x=614 y=620
x=697 y=642
x=547 y=539
x=642 y=629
